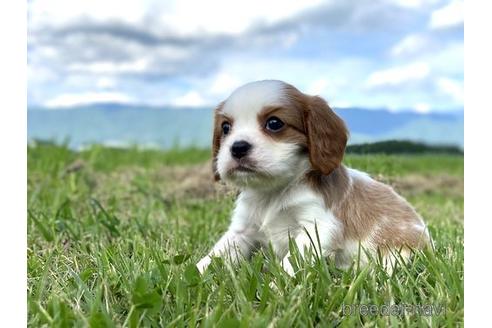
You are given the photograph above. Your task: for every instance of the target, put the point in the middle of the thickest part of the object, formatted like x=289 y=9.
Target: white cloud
x=408 y=3
x=184 y=16
x=190 y=99
x=411 y=44
x=398 y=75
x=412 y=3
x=224 y=83
x=317 y=87
x=49 y=12
x=422 y=107
x=448 y=60
x=109 y=67
x=40 y=74
x=75 y=99
x=331 y=88
x=105 y=83
x=447 y=16
x=451 y=87
x=341 y=104
x=229 y=17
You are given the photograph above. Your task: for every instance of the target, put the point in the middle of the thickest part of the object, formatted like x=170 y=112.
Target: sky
x=394 y=54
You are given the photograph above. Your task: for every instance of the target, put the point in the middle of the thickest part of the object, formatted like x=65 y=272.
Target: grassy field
x=114 y=236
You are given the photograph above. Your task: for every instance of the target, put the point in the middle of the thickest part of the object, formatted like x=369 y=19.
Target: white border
x=478 y=92
x=478 y=164
x=13 y=170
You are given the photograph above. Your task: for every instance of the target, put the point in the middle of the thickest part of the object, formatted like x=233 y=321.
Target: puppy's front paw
x=203 y=264
x=287 y=266
x=273 y=286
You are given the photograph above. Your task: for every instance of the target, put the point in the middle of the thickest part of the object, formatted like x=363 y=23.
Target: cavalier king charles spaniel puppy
x=283 y=149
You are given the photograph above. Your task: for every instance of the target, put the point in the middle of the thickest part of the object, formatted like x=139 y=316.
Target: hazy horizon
x=165 y=127
x=107 y=105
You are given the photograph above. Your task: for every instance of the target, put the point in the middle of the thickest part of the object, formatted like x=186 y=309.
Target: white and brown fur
x=293 y=184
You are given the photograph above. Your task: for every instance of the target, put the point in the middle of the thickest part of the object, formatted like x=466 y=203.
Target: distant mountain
x=377 y=125
x=123 y=125
x=375 y=121
x=119 y=125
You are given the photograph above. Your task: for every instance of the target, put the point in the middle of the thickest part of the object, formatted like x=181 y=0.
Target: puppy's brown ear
x=217 y=136
x=327 y=136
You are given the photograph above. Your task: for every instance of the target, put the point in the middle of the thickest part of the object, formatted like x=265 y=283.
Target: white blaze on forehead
x=252 y=97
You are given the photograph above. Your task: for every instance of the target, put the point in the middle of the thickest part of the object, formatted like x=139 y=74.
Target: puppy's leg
x=319 y=238
x=303 y=242
x=231 y=246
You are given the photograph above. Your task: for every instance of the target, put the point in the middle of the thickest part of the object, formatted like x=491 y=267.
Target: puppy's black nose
x=240 y=148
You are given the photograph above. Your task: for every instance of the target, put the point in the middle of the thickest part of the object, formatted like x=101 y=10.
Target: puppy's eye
x=226 y=127
x=274 y=124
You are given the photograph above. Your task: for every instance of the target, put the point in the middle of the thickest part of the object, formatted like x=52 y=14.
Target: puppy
x=283 y=149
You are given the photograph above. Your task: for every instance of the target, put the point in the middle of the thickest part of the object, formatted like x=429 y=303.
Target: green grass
x=111 y=244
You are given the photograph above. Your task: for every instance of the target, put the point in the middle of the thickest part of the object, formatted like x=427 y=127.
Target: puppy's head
x=268 y=132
